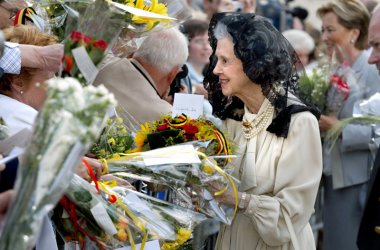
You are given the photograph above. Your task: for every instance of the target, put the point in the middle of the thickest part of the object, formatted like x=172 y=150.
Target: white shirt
x=16 y=115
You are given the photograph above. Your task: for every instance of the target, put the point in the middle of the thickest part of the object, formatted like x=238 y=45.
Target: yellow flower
x=208 y=168
x=183 y=235
x=123 y=131
x=119 y=121
x=111 y=141
x=155 y=7
x=140 y=139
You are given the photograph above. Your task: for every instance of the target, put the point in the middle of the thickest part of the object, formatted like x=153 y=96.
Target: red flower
x=68 y=63
x=162 y=127
x=101 y=44
x=76 y=36
x=87 y=40
x=336 y=79
x=190 y=129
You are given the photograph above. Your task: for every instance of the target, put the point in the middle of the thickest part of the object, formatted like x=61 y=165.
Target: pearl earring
x=38 y=84
x=352 y=41
x=21 y=92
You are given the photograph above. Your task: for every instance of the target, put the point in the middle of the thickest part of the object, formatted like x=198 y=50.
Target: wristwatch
x=1 y=44
x=243 y=197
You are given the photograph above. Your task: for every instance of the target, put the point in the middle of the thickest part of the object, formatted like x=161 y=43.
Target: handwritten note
x=188 y=104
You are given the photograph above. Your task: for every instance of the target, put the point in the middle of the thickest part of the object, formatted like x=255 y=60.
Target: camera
x=175 y=86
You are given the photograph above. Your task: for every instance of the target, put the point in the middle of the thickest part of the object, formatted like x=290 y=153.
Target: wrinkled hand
x=228 y=197
x=5 y=201
x=200 y=90
x=42 y=57
x=96 y=166
x=120 y=181
x=326 y=122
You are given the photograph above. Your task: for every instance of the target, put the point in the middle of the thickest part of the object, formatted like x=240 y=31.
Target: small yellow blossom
x=111 y=141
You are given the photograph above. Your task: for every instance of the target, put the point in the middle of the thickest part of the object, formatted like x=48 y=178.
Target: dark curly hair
x=268 y=60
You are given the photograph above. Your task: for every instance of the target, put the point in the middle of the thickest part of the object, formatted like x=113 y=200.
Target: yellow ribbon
x=103 y=186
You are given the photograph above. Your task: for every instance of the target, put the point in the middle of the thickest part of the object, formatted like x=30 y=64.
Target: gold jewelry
x=253 y=128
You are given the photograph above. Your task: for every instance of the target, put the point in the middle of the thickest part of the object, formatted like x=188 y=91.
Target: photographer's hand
x=249 y=6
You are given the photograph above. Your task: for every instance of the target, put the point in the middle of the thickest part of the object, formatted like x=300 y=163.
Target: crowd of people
x=248 y=70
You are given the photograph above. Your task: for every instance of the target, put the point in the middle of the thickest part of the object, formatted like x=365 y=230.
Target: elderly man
x=140 y=84
x=369 y=232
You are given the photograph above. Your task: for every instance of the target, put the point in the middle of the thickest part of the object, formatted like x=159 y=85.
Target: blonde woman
x=347 y=166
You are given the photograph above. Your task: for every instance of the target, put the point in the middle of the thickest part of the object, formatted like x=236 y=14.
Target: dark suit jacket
x=369 y=232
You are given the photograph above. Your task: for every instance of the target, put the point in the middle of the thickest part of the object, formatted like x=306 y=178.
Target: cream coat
x=282 y=176
x=132 y=90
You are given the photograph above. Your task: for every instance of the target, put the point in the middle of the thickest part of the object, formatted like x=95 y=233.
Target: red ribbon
x=92 y=175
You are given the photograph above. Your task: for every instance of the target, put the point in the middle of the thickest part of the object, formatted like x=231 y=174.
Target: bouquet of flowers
x=169 y=223
x=96 y=219
x=186 y=170
x=64 y=130
x=365 y=112
x=91 y=35
x=339 y=89
x=168 y=131
x=314 y=88
x=115 y=138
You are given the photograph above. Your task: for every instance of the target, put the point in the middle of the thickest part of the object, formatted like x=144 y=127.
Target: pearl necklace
x=253 y=128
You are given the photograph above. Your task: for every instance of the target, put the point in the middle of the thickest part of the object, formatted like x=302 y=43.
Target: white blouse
x=281 y=177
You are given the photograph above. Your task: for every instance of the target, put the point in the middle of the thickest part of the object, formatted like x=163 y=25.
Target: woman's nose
x=324 y=36
x=216 y=70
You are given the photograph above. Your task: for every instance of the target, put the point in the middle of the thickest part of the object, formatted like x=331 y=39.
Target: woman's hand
x=326 y=122
x=120 y=181
x=228 y=197
x=96 y=166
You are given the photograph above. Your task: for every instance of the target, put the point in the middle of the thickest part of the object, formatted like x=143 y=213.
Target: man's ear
x=172 y=74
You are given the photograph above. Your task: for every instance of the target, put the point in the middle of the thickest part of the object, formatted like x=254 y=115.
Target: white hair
x=164 y=49
x=221 y=32
x=300 y=40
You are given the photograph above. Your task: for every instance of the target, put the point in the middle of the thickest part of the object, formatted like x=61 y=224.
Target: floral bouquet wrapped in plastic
x=365 y=112
x=64 y=130
x=186 y=170
x=168 y=131
x=116 y=138
x=339 y=90
x=90 y=37
x=163 y=14
x=198 y=159
x=169 y=223
x=96 y=219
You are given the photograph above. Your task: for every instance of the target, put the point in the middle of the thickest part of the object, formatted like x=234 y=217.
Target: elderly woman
x=252 y=84
x=302 y=43
x=347 y=166
x=21 y=96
